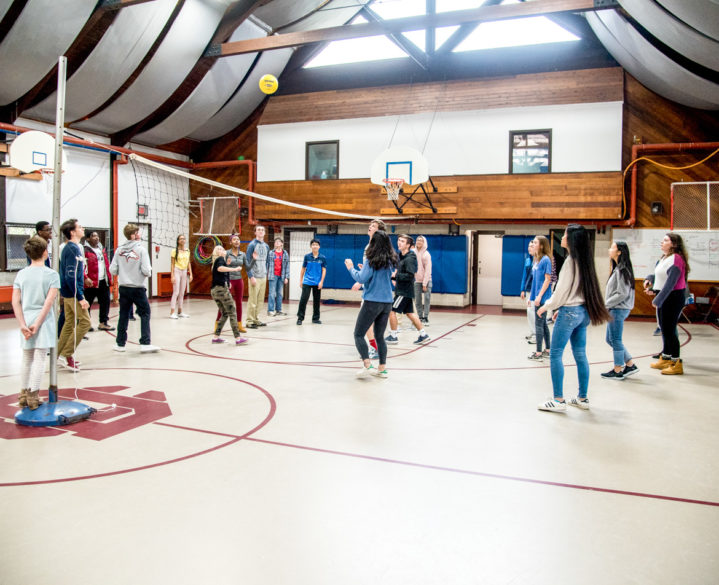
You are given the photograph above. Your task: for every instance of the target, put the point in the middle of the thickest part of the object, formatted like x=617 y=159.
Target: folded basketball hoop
x=393 y=187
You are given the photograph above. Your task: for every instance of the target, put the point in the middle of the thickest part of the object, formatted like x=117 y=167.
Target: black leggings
x=668 y=315
x=377 y=313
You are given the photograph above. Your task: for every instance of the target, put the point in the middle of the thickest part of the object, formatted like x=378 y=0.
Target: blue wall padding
x=514 y=252
x=449 y=260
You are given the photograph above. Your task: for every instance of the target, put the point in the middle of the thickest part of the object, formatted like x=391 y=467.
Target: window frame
x=308 y=145
x=513 y=133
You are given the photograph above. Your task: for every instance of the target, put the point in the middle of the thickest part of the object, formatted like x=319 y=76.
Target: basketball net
x=48 y=179
x=393 y=187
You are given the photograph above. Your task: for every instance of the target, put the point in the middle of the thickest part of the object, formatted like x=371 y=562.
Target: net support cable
x=212 y=183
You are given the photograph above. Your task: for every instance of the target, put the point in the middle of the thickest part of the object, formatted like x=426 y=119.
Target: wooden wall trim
x=541 y=89
x=551 y=197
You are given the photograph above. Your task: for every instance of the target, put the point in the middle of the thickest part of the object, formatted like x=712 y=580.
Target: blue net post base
x=54 y=413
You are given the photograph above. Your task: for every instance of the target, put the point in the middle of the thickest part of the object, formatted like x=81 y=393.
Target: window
x=15 y=237
x=530 y=151
x=321 y=160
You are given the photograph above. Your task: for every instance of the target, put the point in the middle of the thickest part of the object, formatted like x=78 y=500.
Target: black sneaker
x=657 y=356
x=91 y=329
x=629 y=370
x=612 y=375
x=251 y=325
x=261 y=324
x=318 y=322
x=299 y=321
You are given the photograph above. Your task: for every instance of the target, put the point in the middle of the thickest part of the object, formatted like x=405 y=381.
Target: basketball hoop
x=393 y=187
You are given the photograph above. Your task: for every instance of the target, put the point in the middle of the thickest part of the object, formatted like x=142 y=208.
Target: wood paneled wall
x=551 y=197
x=541 y=89
x=651 y=119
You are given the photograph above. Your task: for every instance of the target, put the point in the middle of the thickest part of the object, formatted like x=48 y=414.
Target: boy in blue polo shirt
x=314 y=269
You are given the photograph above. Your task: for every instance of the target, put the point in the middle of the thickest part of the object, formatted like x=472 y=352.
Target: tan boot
x=22 y=398
x=240 y=328
x=33 y=399
x=661 y=364
x=674 y=369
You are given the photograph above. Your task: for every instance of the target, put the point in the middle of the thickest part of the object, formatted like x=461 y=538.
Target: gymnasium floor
x=272 y=464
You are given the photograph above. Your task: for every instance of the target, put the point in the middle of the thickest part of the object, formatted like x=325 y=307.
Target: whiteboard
x=702 y=246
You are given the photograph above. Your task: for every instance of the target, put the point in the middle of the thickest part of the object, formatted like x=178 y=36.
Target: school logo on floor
x=129 y=412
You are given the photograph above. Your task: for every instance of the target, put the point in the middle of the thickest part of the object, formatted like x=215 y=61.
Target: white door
x=299 y=246
x=489 y=270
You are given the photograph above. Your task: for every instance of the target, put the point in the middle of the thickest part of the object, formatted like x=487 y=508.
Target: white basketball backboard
x=400 y=162
x=34 y=151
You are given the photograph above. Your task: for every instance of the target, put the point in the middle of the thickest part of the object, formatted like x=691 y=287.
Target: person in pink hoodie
x=422 y=279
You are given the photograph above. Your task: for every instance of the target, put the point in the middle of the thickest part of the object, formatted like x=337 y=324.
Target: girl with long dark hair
x=619 y=300
x=375 y=274
x=670 y=279
x=578 y=302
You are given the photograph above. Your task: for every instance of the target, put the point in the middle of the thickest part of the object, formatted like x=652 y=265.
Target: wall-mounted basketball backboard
x=34 y=151
x=400 y=162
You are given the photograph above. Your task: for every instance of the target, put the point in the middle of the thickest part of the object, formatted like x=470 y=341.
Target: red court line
x=234 y=438
x=488 y=475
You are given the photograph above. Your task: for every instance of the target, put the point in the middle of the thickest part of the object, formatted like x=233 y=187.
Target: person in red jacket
x=98 y=279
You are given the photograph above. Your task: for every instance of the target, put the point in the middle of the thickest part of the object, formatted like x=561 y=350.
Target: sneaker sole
x=627 y=374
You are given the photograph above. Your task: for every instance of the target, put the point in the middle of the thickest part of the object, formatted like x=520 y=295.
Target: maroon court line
x=324 y=364
x=234 y=438
x=488 y=475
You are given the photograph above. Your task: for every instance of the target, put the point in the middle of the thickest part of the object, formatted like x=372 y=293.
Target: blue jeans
x=570 y=325
x=541 y=330
x=615 y=328
x=274 y=296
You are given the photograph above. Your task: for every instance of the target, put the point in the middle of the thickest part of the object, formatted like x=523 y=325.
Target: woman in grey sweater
x=619 y=299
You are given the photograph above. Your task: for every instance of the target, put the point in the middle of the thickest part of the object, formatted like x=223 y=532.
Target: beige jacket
x=567 y=292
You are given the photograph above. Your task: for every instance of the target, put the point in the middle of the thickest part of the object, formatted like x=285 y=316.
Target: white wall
x=585 y=138
x=85 y=192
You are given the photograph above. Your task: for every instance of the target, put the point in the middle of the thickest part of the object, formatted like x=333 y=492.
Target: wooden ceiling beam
x=476 y=15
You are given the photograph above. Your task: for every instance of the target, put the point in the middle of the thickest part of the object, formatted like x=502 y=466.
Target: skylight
x=535 y=30
x=488 y=35
x=376 y=48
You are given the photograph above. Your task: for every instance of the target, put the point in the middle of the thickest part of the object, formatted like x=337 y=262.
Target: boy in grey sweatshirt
x=131 y=264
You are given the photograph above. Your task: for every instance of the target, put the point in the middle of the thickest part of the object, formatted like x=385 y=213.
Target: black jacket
x=405 y=275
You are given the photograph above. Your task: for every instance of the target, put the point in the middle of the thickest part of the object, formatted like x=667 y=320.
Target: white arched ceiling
x=210 y=94
x=33 y=45
x=650 y=66
x=4 y=7
x=703 y=15
x=115 y=57
x=279 y=13
x=336 y=14
x=674 y=33
x=183 y=45
x=249 y=96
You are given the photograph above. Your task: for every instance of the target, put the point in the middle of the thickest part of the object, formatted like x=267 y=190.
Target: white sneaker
x=149 y=348
x=173 y=316
x=553 y=406
x=271 y=313
x=379 y=373
x=579 y=403
x=184 y=316
x=364 y=372
x=120 y=348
